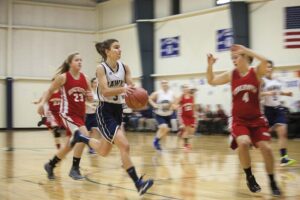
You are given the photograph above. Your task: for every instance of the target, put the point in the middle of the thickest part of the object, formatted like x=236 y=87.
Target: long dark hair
x=102 y=46
x=65 y=66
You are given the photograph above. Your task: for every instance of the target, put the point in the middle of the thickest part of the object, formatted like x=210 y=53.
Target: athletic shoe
x=275 y=190
x=143 y=186
x=49 y=169
x=156 y=144
x=286 y=161
x=75 y=173
x=252 y=184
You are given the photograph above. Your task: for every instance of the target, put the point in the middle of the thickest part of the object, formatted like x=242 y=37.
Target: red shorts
x=257 y=129
x=72 y=123
x=53 y=120
x=188 y=121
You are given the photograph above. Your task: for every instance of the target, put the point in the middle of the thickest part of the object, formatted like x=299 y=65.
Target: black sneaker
x=143 y=186
x=49 y=170
x=75 y=173
x=42 y=122
x=252 y=184
x=275 y=190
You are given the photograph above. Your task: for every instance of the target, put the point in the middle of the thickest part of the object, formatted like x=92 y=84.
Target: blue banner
x=225 y=39
x=169 y=47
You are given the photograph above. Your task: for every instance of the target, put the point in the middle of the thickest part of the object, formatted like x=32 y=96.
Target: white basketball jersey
x=91 y=108
x=114 y=79
x=164 y=102
x=272 y=85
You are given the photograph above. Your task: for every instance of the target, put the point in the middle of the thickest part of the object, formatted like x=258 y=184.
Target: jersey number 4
x=78 y=97
x=246 y=97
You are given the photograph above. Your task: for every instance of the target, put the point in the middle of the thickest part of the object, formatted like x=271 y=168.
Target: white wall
x=128 y=39
x=2 y=104
x=197 y=38
x=115 y=13
x=2 y=51
x=267 y=31
x=40 y=53
x=162 y=8
x=25 y=92
x=55 y=17
x=194 y=5
x=3 y=11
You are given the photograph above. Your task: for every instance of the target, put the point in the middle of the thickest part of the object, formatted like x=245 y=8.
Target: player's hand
x=210 y=59
x=40 y=109
x=89 y=96
x=129 y=89
x=238 y=49
x=155 y=106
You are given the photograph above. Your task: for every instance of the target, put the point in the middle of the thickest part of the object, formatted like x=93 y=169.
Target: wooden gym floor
x=209 y=171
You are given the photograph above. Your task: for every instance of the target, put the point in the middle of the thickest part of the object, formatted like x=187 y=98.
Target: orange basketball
x=138 y=99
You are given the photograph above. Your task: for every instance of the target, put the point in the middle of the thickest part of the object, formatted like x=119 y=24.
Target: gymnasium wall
x=2 y=103
x=42 y=40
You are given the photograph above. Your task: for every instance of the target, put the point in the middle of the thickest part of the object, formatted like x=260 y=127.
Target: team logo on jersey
x=115 y=83
x=246 y=87
x=76 y=90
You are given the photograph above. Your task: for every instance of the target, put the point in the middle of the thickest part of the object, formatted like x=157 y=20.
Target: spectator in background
x=220 y=119
x=208 y=120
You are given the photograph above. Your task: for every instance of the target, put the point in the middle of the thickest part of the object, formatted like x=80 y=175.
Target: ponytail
x=65 y=66
x=105 y=45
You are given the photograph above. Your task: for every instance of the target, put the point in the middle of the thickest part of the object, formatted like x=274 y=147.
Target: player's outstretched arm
x=213 y=79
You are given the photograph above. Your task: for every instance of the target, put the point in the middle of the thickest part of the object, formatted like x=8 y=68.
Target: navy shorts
x=91 y=121
x=165 y=119
x=275 y=115
x=109 y=118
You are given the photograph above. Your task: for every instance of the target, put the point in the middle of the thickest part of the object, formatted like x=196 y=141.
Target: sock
x=76 y=162
x=157 y=139
x=82 y=138
x=132 y=173
x=283 y=152
x=54 y=161
x=58 y=146
x=248 y=172
x=271 y=177
x=186 y=140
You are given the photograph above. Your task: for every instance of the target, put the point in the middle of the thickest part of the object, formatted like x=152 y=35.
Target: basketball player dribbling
x=112 y=76
x=74 y=89
x=248 y=124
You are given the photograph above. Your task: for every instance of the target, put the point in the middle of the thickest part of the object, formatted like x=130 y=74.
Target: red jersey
x=245 y=96
x=187 y=104
x=54 y=102
x=73 y=94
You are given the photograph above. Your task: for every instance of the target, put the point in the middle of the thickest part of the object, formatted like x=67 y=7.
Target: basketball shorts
x=274 y=115
x=257 y=129
x=72 y=123
x=165 y=119
x=109 y=118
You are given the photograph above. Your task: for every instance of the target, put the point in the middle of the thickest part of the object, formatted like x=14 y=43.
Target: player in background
x=186 y=114
x=162 y=102
x=90 y=117
x=248 y=127
x=51 y=117
x=75 y=89
x=271 y=92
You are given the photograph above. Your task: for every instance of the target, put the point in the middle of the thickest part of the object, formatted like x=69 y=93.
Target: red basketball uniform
x=187 y=112
x=52 y=111
x=247 y=118
x=73 y=94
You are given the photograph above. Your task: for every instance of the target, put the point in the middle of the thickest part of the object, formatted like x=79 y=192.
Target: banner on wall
x=169 y=47
x=292 y=27
x=224 y=39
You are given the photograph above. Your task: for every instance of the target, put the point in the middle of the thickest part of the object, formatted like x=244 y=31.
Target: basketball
x=138 y=99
